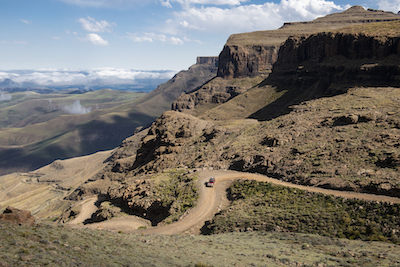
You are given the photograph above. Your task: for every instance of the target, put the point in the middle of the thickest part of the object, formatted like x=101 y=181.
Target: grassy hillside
x=50 y=245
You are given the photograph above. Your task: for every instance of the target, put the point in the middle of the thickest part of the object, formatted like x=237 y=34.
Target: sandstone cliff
x=251 y=54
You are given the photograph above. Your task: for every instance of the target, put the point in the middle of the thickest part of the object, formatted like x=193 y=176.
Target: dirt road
x=87 y=208
x=210 y=202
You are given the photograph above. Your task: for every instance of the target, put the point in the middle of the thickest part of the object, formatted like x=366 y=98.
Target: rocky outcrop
x=236 y=61
x=20 y=217
x=164 y=143
x=184 y=81
x=212 y=61
x=214 y=92
x=252 y=54
x=139 y=199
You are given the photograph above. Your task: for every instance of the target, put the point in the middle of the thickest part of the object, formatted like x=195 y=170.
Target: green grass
x=263 y=206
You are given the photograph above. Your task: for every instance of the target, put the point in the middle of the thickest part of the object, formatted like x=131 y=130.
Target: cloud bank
x=245 y=18
x=87 y=79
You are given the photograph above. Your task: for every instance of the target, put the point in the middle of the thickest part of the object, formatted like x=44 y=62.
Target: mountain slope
x=37 y=129
x=326 y=116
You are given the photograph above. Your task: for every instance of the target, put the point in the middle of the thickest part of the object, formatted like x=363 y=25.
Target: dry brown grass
x=384 y=29
x=49 y=245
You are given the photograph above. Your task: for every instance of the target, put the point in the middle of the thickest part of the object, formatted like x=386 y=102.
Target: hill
x=37 y=129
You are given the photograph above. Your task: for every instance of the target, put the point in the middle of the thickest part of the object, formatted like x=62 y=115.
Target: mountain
x=39 y=128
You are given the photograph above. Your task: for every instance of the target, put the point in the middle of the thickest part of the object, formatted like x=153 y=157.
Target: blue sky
x=141 y=34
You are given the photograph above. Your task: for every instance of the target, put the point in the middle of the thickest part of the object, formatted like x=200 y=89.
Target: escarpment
x=251 y=55
x=330 y=63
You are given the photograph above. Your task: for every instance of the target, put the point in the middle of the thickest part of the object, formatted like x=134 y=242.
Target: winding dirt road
x=210 y=202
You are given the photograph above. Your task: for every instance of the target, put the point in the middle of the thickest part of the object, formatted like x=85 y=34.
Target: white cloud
x=92 y=25
x=151 y=37
x=76 y=108
x=392 y=5
x=95 y=39
x=26 y=21
x=82 y=78
x=5 y=97
x=248 y=17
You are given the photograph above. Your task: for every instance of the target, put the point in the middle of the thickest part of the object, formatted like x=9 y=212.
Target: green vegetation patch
x=263 y=206
x=177 y=191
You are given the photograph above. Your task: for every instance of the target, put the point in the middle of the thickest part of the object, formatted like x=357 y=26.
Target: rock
x=385 y=187
x=345 y=120
x=26 y=257
x=21 y=217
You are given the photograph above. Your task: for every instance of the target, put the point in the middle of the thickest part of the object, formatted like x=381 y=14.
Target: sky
x=123 y=36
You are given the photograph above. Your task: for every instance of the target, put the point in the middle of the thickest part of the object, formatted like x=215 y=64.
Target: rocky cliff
x=207 y=60
x=330 y=63
x=251 y=54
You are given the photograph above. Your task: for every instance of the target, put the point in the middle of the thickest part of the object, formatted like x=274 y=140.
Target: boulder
x=21 y=217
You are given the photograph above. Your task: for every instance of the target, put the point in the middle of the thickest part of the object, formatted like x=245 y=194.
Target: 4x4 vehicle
x=211 y=182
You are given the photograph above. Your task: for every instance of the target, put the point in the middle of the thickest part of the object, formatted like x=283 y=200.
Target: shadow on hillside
x=320 y=81
x=85 y=139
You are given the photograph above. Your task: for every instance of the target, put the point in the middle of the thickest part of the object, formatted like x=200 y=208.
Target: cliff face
x=252 y=54
x=207 y=61
x=237 y=61
x=327 y=59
